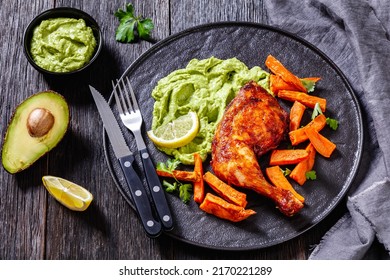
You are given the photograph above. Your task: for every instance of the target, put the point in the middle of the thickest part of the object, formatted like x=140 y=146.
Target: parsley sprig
x=183 y=190
x=309 y=85
x=311 y=175
x=333 y=123
x=132 y=27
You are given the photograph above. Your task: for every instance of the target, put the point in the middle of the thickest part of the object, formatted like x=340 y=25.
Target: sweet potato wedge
x=224 y=190
x=286 y=157
x=276 y=83
x=198 y=185
x=180 y=175
x=276 y=176
x=298 y=174
x=298 y=136
x=323 y=145
x=276 y=67
x=312 y=79
x=296 y=113
x=304 y=98
x=221 y=208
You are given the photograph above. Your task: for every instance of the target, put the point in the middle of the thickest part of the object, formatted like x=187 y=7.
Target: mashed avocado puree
x=205 y=87
x=62 y=44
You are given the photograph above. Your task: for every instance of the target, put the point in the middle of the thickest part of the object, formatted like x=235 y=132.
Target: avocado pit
x=39 y=122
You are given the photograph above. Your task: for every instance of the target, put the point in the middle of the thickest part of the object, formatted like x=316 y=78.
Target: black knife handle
x=156 y=190
x=140 y=197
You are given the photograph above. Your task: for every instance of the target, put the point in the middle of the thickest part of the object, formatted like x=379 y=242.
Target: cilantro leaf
x=169 y=188
x=169 y=166
x=185 y=192
x=132 y=27
x=333 y=123
x=309 y=85
x=144 y=28
x=173 y=164
x=127 y=14
x=311 y=175
x=177 y=187
x=286 y=172
x=316 y=111
x=125 y=32
x=161 y=166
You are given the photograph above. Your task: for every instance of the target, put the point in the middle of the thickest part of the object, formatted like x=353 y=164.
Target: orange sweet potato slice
x=219 y=207
x=278 y=69
x=286 y=157
x=277 y=178
x=298 y=136
x=296 y=113
x=198 y=185
x=224 y=190
x=304 y=98
x=323 y=145
x=180 y=175
x=298 y=174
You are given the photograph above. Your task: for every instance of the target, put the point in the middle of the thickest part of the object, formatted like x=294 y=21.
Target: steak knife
x=125 y=157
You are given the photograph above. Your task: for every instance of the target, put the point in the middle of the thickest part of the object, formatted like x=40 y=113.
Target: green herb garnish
x=183 y=190
x=168 y=166
x=333 y=124
x=132 y=27
x=311 y=175
x=286 y=171
x=308 y=84
x=316 y=111
x=169 y=188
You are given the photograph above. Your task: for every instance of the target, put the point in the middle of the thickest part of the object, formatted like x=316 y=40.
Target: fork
x=131 y=117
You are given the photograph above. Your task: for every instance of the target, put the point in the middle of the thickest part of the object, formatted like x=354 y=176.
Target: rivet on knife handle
x=156 y=190
x=140 y=198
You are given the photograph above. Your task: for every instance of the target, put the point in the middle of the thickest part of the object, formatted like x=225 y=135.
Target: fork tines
x=125 y=105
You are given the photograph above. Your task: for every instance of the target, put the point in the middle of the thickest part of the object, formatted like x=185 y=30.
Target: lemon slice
x=177 y=133
x=68 y=193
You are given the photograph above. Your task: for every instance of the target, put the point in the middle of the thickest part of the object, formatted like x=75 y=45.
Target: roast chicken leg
x=253 y=124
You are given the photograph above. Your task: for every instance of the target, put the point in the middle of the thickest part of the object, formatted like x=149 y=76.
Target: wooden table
x=32 y=224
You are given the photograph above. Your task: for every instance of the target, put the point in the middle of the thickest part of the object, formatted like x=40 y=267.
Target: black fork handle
x=156 y=190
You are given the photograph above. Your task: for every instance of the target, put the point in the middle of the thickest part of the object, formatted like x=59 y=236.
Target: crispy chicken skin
x=253 y=124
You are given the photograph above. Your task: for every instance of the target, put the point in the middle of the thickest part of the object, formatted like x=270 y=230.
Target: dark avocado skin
x=20 y=150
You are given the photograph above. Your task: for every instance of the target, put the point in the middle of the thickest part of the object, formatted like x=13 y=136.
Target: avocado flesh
x=20 y=148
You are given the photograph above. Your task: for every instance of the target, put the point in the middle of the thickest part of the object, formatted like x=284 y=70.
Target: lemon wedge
x=177 y=133
x=68 y=193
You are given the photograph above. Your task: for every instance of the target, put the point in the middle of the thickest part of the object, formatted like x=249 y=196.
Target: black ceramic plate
x=251 y=43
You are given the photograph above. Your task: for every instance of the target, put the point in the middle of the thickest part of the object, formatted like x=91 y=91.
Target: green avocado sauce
x=206 y=87
x=62 y=44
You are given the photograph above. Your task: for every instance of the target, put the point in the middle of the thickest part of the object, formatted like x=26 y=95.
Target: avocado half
x=37 y=126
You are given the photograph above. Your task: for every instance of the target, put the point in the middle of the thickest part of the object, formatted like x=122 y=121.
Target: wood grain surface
x=32 y=224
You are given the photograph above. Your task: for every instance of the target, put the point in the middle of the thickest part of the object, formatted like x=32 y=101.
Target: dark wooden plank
x=23 y=199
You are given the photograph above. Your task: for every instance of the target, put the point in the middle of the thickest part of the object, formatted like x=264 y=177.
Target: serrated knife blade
x=110 y=125
x=125 y=157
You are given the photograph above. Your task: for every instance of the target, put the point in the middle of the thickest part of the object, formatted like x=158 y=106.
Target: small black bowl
x=67 y=13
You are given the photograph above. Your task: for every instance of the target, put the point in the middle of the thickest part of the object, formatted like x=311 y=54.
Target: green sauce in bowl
x=62 y=44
